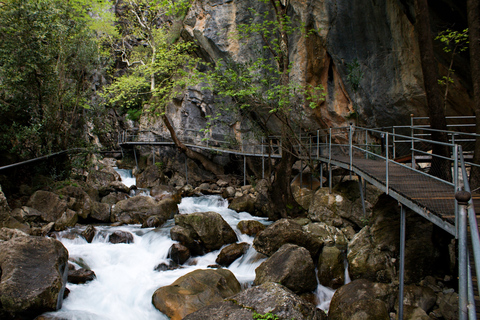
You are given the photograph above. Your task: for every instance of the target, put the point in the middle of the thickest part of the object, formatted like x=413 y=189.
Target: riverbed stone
x=292 y=266
x=231 y=253
x=51 y=205
x=137 y=209
x=150 y=177
x=79 y=276
x=33 y=276
x=78 y=200
x=89 y=233
x=245 y=203
x=120 y=236
x=194 y=291
x=285 y=231
x=331 y=267
x=250 y=227
x=179 y=253
x=362 y=299
x=68 y=219
x=269 y=297
x=208 y=227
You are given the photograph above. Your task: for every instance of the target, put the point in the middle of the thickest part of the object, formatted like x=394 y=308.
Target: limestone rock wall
x=374 y=39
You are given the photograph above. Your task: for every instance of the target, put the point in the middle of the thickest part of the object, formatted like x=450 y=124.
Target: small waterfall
x=125 y=273
x=126 y=177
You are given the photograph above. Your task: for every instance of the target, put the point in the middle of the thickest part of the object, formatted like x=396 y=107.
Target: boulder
x=99 y=179
x=68 y=219
x=448 y=304
x=187 y=237
x=77 y=200
x=79 y=276
x=28 y=215
x=100 y=212
x=231 y=253
x=153 y=222
x=331 y=267
x=179 y=253
x=292 y=266
x=250 y=227
x=51 y=205
x=285 y=231
x=89 y=233
x=33 y=276
x=419 y=297
x=8 y=233
x=137 y=209
x=3 y=202
x=120 y=237
x=165 y=192
x=245 y=203
x=150 y=177
x=329 y=235
x=268 y=298
x=208 y=227
x=362 y=299
x=194 y=291
x=114 y=197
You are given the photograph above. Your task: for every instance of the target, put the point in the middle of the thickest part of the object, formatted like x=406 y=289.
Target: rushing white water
x=125 y=273
x=127 y=178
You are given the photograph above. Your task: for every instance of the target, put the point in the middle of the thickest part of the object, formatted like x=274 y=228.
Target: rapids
x=125 y=273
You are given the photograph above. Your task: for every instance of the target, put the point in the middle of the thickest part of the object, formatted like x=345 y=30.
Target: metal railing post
x=401 y=273
x=394 y=144
x=462 y=198
x=350 y=143
x=366 y=144
x=318 y=144
x=330 y=161
x=412 y=134
x=386 y=162
x=456 y=184
x=263 y=159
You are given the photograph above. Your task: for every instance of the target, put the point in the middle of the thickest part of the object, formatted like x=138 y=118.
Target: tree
x=436 y=112
x=47 y=54
x=160 y=65
x=473 y=8
x=264 y=91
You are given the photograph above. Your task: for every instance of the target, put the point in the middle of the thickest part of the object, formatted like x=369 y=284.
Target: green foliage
x=266 y=316
x=157 y=65
x=47 y=55
x=355 y=74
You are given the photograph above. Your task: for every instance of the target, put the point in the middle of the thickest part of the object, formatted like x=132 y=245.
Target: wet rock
x=250 y=227
x=68 y=219
x=245 y=203
x=187 y=238
x=49 y=204
x=285 y=231
x=100 y=212
x=165 y=192
x=209 y=228
x=89 y=233
x=120 y=237
x=448 y=304
x=114 y=197
x=150 y=177
x=267 y=298
x=179 y=253
x=292 y=266
x=137 y=209
x=79 y=276
x=329 y=235
x=77 y=200
x=33 y=270
x=101 y=179
x=164 y=266
x=231 y=253
x=194 y=291
x=331 y=267
x=361 y=299
x=154 y=222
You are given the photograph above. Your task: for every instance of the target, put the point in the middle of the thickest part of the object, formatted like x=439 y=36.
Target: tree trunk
x=436 y=112
x=473 y=8
x=281 y=200
x=207 y=163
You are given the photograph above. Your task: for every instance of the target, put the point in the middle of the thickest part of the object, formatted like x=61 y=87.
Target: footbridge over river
x=396 y=160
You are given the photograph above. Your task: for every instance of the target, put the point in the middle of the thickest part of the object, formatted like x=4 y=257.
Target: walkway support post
x=362 y=195
x=330 y=160
x=412 y=147
x=350 y=144
x=462 y=198
x=263 y=159
x=401 y=273
x=386 y=162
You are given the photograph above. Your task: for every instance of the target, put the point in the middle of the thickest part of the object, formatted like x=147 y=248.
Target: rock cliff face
x=364 y=53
